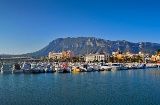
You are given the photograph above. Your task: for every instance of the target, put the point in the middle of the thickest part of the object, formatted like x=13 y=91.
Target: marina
x=79 y=52
x=64 y=67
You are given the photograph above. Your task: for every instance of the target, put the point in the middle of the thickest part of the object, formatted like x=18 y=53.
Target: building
x=61 y=55
x=54 y=56
x=158 y=58
x=67 y=54
x=96 y=57
x=115 y=53
x=153 y=58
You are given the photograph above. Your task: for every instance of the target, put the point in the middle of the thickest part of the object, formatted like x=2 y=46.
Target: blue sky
x=29 y=25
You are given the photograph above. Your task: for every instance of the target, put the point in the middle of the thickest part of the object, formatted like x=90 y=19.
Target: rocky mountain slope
x=84 y=45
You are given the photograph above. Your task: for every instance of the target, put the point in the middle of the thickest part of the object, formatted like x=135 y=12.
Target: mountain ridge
x=84 y=45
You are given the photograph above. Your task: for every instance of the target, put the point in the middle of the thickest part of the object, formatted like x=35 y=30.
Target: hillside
x=84 y=45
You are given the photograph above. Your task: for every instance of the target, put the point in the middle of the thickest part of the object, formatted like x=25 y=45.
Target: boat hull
x=6 y=72
x=17 y=71
x=26 y=71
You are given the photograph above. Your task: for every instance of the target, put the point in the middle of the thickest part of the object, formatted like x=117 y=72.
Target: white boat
x=57 y=67
x=41 y=69
x=0 y=67
x=34 y=68
x=115 y=66
x=17 y=68
x=6 y=68
x=64 y=70
x=86 y=68
x=49 y=69
x=26 y=67
x=106 y=67
x=123 y=67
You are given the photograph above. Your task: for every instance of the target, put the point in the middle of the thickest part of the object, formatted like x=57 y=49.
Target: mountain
x=84 y=45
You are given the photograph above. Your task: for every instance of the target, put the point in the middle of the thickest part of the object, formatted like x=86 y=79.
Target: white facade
x=61 y=55
x=53 y=55
x=115 y=53
x=96 y=57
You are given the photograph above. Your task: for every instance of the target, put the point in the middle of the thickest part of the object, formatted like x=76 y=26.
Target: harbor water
x=125 y=87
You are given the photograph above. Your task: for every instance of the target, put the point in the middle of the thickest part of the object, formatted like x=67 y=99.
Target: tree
x=75 y=59
x=115 y=59
x=139 y=58
x=158 y=51
x=111 y=59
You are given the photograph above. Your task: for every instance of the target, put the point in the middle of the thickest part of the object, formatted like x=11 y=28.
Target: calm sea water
x=133 y=87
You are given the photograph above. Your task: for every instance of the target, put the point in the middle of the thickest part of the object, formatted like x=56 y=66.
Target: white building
x=96 y=57
x=53 y=55
x=61 y=55
x=115 y=53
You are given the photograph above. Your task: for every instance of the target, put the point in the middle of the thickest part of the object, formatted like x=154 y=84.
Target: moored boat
x=34 y=68
x=64 y=69
x=115 y=66
x=6 y=68
x=17 y=68
x=26 y=67
x=105 y=67
x=76 y=69
x=49 y=69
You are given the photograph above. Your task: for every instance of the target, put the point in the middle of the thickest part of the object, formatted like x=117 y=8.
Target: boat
x=105 y=67
x=49 y=69
x=87 y=68
x=26 y=67
x=143 y=65
x=64 y=69
x=41 y=69
x=115 y=66
x=76 y=69
x=34 y=68
x=17 y=68
x=6 y=68
x=0 y=66
x=123 y=67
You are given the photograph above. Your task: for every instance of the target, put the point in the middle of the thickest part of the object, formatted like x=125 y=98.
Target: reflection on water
x=127 y=87
x=157 y=73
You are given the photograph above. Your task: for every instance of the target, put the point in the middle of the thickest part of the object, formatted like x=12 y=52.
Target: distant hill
x=84 y=45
